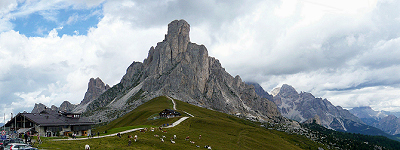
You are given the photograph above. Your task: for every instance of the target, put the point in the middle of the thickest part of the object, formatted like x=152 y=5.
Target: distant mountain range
x=304 y=107
x=384 y=120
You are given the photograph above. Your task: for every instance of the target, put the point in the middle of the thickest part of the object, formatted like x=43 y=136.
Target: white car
x=12 y=146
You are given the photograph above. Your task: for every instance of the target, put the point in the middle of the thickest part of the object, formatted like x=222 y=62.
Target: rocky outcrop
x=260 y=91
x=66 y=106
x=38 y=108
x=315 y=119
x=303 y=106
x=53 y=107
x=184 y=71
x=96 y=87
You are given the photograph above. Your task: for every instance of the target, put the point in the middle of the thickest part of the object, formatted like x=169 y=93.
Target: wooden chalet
x=169 y=113
x=51 y=123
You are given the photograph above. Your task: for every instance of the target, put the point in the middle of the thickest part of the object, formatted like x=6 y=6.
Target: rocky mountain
x=53 y=107
x=304 y=106
x=390 y=124
x=182 y=70
x=260 y=91
x=96 y=87
x=383 y=120
x=65 y=106
x=38 y=108
x=368 y=115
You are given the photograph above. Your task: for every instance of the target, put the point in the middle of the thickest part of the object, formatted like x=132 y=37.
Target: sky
x=346 y=51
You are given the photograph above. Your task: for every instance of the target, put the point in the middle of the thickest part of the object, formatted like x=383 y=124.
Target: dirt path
x=172 y=102
x=131 y=130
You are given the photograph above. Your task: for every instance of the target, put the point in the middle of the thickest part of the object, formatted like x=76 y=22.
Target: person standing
x=26 y=137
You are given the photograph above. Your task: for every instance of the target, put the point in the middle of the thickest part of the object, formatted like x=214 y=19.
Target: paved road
x=95 y=137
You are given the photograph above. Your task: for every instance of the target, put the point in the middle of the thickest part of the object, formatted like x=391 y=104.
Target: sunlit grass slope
x=218 y=130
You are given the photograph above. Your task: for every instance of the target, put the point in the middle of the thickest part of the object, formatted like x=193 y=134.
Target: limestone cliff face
x=183 y=70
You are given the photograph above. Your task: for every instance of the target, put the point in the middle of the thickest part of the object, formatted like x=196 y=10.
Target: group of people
x=74 y=136
x=161 y=138
x=130 y=141
x=90 y=135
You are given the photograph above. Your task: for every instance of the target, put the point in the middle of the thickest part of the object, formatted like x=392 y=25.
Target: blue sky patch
x=67 y=21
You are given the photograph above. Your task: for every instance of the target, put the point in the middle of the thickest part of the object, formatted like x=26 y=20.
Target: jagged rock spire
x=178 y=36
x=95 y=88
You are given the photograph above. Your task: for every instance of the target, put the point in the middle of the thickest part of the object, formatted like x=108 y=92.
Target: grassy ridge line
x=219 y=130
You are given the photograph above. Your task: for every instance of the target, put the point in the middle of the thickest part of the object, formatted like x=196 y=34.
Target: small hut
x=169 y=113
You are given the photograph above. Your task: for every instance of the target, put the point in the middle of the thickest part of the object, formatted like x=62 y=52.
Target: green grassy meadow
x=218 y=130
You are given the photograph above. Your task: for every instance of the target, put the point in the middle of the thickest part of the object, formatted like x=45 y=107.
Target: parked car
x=2 y=144
x=15 y=146
x=28 y=148
x=15 y=140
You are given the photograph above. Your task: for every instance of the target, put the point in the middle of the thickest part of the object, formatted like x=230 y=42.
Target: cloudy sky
x=344 y=50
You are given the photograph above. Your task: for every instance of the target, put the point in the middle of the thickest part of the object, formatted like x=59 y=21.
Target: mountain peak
x=284 y=90
x=178 y=35
x=288 y=88
x=95 y=88
x=38 y=108
x=178 y=28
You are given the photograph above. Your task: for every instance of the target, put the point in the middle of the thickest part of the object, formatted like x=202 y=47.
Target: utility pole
x=15 y=120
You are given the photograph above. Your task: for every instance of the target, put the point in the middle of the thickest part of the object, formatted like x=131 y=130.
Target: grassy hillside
x=218 y=130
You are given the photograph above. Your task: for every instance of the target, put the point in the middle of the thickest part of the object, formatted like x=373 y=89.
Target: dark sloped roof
x=55 y=119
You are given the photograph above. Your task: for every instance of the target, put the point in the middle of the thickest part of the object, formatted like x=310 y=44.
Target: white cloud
x=7 y=6
x=346 y=53
x=62 y=66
